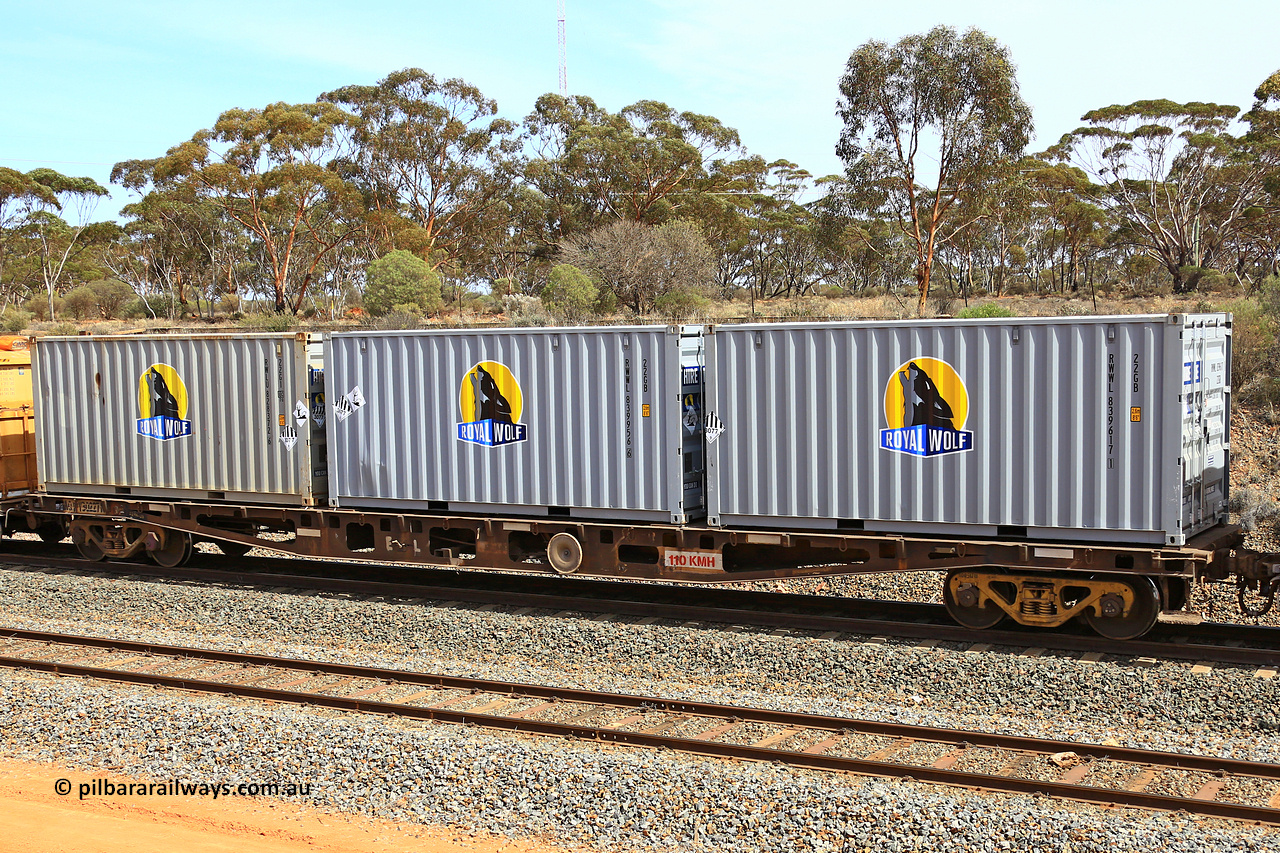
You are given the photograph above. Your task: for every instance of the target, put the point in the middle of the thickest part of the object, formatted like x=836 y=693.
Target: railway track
x=1107 y=775
x=1206 y=643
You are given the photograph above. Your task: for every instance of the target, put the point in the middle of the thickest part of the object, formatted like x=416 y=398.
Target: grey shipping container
x=202 y=417
x=1107 y=429
x=597 y=423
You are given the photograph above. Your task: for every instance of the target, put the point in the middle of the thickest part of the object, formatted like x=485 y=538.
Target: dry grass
x=900 y=306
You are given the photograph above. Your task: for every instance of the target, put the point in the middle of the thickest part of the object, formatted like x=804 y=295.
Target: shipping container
x=202 y=417
x=598 y=423
x=1107 y=429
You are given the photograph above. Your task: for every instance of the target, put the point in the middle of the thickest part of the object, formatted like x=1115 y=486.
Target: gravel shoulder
x=35 y=819
x=608 y=798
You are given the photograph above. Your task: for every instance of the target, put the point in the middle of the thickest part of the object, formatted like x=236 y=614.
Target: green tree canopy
x=272 y=172
x=18 y=191
x=19 y=196
x=1174 y=176
x=569 y=294
x=402 y=281
x=59 y=239
x=178 y=240
x=1261 y=233
x=433 y=152
x=646 y=163
x=958 y=92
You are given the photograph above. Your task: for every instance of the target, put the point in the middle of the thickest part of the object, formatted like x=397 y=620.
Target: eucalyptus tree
x=519 y=253
x=179 y=242
x=647 y=163
x=435 y=153
x=1260 y=238
x=727 y=214
x=1069 y=223
x=783 y=254
x=859 y=252
x=273 y=173
x=1179 y=183
x=726 y=224
x=1010 y=221
x=58 y=239
x=19 y=196
x=956 y=95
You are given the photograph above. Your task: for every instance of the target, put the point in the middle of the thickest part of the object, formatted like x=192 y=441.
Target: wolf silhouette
x=163 y=403
x=922 y=402
x=490 y=404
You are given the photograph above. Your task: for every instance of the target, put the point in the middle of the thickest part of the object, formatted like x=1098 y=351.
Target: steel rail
x=835 y=726
x=924 y=626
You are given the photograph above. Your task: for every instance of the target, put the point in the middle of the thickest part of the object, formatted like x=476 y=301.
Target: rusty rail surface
x=644 y=719
x=1233 y=644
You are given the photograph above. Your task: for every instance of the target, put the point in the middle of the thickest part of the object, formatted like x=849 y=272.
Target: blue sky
x=88 y=84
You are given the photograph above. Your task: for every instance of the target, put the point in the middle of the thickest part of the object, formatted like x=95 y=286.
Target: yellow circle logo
x=492 y=405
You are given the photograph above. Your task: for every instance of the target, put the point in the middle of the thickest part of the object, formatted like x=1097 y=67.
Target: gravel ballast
x=1166 y=707
x=584 y=795
x=611 y=797
x=1223 y=712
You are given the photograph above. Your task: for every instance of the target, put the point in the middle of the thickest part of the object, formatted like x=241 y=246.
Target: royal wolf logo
x=491 y=404
x=925 y=406
x=162 y=404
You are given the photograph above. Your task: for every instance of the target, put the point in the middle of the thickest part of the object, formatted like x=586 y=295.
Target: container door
x=1205 y=421
x=692 y=367
x=316 y=404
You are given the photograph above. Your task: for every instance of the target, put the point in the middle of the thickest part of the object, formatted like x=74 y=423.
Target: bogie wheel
x=81 y=535
x=175 y=549
x=51 y=532
x=1142 y=615
x=970 y=615
x=564 y=552
x=90 y=550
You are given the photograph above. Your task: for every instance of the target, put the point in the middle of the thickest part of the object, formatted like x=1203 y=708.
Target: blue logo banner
x=163 y=428
x=492 y=433
x=924 y=440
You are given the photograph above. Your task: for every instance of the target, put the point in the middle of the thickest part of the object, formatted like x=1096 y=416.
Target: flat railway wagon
x=1053 y=468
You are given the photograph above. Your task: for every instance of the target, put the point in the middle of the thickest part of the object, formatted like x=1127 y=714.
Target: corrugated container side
x=204 y=417
x=1056 y=428
x=584 y=422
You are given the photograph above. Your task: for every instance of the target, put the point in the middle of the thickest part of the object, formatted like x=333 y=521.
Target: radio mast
x=564 y=71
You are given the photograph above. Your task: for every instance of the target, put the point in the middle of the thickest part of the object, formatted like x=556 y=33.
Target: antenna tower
x=564 y=71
